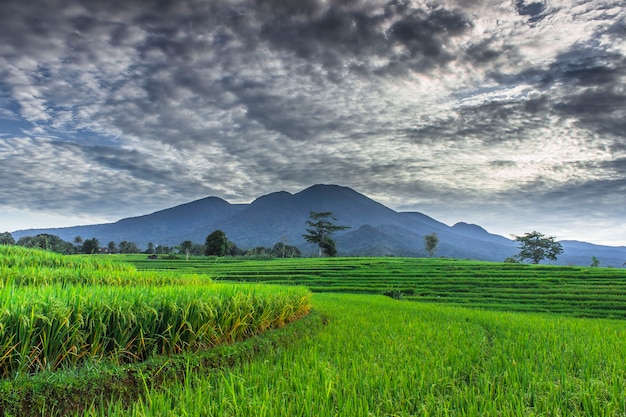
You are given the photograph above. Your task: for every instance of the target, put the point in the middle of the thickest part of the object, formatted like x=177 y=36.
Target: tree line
x=533 y=246
x=213 y=246
x=320 y=232
x=55 y=244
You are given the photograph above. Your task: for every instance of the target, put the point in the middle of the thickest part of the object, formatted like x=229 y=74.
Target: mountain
x=168 y=227
x=375 y=230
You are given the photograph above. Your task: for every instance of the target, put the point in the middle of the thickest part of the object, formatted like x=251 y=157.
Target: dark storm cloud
x=600 y=93
x=400 y=36
x=97 y=179
x=584 y=83
x=203 y=57
x=531 y=8
x=486 y=51
x=534 y=9
x=580 y=66
x=601 y=111
x=506 y=120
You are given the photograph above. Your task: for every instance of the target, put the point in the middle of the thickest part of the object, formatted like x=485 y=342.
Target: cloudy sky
x=510 y=114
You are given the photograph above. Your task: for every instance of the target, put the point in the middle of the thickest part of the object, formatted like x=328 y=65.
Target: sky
x=508 y=114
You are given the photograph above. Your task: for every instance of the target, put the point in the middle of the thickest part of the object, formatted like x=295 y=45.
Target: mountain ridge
x=375 y=230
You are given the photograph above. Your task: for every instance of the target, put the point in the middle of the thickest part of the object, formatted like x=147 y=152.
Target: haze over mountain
x=375 y=230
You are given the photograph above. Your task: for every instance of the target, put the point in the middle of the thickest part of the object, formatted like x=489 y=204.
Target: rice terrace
x=122 y=335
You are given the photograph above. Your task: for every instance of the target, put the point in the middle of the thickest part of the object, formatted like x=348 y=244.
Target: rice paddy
x=450 y=338
x=61 y=313
x=566 y=290
x=383 y=357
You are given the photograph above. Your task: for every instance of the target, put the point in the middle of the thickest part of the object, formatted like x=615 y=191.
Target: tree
x=78 y=243
x=430 y=243
x=536 y=247
x=6 y=238
x=511 y=260
x=48 y=242
x=217 y=244
x=281 y=250
x=185 y=247
x=321 y=231
x=197 y=249
x=128 y=247
x=595 y=262
x=260 y=251
x=163 y=249
x=91 y=246
x=111 y=247
x=234 y=250
x=329 y=248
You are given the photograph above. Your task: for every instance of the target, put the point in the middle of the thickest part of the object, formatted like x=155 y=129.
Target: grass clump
x=45 y=328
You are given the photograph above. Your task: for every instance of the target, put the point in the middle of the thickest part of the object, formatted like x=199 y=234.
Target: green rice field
x=382 y=357
x=566 y=290
x=386 y=337
x=68 y=314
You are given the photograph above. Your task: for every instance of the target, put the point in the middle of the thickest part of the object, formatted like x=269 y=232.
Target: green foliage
x=6 y=238
x=54 y=318
x=34 y=267
x=197 y=249
x=91 y=246
x=279 y=250
x=235 y=250
x=150 y=249
x=430 y=243
x=320 y=232
x=595 y=262
x=111 y=247
x=328 y=247
x=537 y=247
x=47 y=242
x=128 y=247
x=282 y=250
x=376 y=356
x=217 y=244
x=186 y=247
x=259 y=251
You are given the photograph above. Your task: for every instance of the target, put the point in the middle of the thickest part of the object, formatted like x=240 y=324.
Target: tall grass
x=44 y=328
x=23 y=266
x=381 y=357
x=62 y=311
x=12 y=256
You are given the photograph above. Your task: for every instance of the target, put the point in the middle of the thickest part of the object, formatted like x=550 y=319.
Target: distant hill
x=375 y=230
